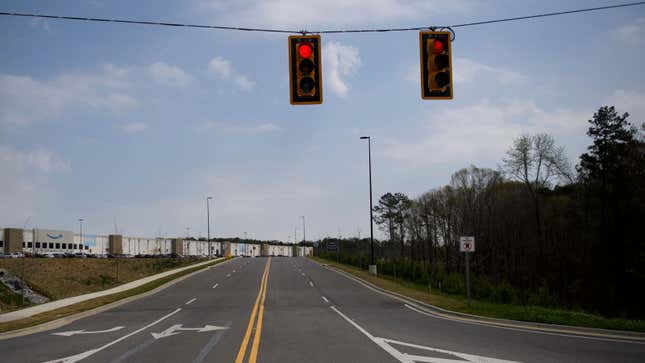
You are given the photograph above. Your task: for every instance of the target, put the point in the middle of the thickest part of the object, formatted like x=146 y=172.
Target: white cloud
x=466 y=70
x=18 y=94
x=244 y=83
x=222 y=69
x=237 y=128
x=482 y=132
x=633 y=34
x=24 y=185
x=628 y=101
x=40 y=160
x=290 y=13
x=340 y=61
x=135 y=127
x=167 y=74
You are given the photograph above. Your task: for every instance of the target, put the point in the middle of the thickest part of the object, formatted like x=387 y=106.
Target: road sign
x=466 y=244
x=332 y=246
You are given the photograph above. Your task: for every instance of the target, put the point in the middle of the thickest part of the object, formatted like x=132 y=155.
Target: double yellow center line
x=258 y=310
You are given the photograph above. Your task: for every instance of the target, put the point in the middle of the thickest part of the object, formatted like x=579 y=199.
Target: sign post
x=467 y=245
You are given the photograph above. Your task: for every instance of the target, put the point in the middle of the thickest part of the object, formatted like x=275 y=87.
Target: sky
x=131 y=127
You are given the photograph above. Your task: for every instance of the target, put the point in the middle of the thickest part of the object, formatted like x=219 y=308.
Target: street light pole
x=304 y=238
x=80 y=242
x=369 y=152
x=208 y=218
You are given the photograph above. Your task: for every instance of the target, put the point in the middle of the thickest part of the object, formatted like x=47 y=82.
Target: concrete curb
x=68 y=319
x=495 y=322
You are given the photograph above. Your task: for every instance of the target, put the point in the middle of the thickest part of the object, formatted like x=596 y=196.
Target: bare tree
x=537 y=162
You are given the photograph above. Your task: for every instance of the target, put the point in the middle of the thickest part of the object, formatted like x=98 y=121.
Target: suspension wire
x=333 y=31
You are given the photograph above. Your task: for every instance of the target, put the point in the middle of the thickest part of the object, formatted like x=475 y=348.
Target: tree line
x=547 y=233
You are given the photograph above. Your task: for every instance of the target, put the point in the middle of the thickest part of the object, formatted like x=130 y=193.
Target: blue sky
x=137 y=124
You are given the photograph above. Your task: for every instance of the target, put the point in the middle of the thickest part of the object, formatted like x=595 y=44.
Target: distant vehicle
x=16 y=255
x=79 y=255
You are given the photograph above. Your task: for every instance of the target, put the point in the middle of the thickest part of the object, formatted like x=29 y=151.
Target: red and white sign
x=466 y=244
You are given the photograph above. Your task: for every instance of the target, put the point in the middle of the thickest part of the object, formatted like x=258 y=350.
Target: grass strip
x=534 y=314
x=94 y=303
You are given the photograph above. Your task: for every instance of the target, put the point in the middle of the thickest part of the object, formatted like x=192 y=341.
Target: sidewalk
x=56 y=304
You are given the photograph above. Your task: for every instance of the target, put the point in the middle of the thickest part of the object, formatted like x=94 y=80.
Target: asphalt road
x=293 y=310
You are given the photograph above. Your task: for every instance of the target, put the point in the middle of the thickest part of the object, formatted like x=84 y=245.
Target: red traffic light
x=437 y=46
x=305 y=50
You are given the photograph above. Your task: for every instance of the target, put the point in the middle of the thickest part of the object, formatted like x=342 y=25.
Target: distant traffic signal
x=436 y=65
x=305 y=70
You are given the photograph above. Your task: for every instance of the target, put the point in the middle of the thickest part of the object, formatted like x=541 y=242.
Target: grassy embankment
x=457 y=303
x=89 y=275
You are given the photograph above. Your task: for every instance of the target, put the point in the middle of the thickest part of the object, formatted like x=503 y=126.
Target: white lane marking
x=303 y=274
x=233 y=271
x=524 y=330
x=228 y=275
x=191 y=301
x=77 y=357
x=75 y=332
x=325 y=299
x=492 y=325
x=216 y=285
x=175 y=329
x=311 y=284
x=385 y=344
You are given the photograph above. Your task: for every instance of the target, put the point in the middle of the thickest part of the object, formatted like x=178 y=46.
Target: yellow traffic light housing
x=435 y=53
x=305 y=70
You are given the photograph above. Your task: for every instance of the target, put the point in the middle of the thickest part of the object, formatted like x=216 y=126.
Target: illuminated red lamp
x=437 y=46
x=305 y=50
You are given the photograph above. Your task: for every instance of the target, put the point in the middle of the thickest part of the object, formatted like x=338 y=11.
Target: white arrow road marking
x=177 y=328
x=74 y=332
x=80 y=356
x=386 y=344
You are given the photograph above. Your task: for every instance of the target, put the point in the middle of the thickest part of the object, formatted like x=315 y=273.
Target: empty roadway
x=304 y=313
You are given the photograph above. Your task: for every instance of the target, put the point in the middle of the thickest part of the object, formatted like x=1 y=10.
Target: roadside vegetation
x=547 y=233
x=61 y=278
x=95 y=303
x=454 y=302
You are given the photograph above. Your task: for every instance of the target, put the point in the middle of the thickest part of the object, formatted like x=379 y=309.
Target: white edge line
x=524 y=330
x=378 y=341
x=191 y=301
x=77 y=357
x=491 y=324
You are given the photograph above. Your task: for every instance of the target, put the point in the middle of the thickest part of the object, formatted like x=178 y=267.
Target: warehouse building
x=49 y=241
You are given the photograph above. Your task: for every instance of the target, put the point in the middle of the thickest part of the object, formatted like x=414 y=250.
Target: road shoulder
x=436 y=311
x=108 y=299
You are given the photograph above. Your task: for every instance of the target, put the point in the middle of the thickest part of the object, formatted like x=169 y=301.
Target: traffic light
x=436 y=65
x=305 y=70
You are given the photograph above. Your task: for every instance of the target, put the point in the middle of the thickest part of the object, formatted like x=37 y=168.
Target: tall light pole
x=208 y=218
x=369 y=153
x=80 y=243
x=304 y=238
